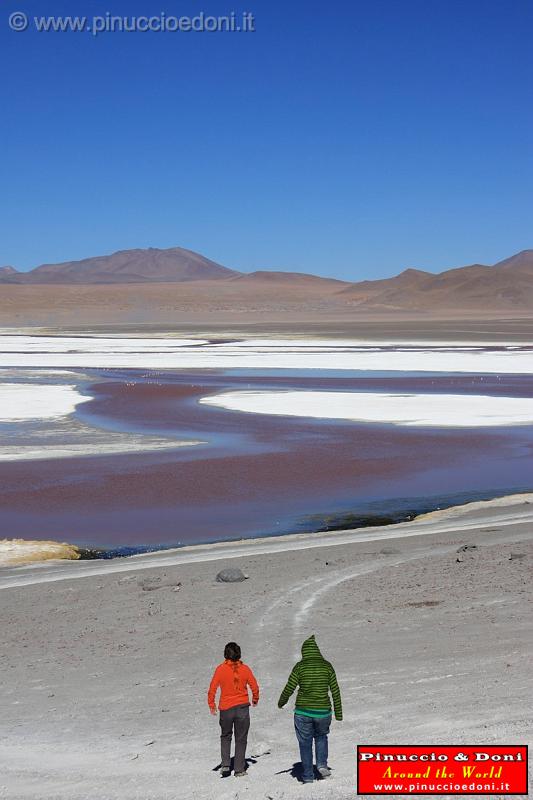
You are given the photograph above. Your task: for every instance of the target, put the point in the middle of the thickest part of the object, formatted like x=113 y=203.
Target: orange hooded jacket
x=233 y=678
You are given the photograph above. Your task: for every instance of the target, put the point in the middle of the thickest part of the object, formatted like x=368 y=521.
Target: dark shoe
x=225 y=771
x=325 y=772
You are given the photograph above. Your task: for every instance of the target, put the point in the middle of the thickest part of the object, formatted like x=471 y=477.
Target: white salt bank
x=24 y=401
x=291 y=354
x=431 y=410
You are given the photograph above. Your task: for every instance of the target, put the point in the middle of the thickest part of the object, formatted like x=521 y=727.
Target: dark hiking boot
x=225 y=771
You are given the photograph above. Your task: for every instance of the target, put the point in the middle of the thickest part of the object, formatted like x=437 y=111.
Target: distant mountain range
x=504 y=287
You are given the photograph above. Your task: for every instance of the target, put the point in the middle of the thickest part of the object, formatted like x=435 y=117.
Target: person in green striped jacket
x=315 y=679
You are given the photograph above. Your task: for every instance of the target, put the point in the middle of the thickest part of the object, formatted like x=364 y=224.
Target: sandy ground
x=104 y=681
x=229 y=325
x=250 y=302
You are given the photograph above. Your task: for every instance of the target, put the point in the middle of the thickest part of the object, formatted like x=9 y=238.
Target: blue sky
x=351 y=138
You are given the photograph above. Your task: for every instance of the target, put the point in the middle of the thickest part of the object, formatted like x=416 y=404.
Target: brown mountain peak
x=150 y=265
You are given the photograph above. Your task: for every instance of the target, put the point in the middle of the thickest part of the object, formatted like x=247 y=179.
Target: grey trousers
x=234 y=720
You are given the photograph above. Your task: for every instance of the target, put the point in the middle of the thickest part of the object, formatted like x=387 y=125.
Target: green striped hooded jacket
x=315 y=678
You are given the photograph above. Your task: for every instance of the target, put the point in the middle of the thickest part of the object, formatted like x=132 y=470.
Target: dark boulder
x=231 y=575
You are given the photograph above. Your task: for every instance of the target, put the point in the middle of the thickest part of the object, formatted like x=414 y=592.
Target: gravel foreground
x=106 y=664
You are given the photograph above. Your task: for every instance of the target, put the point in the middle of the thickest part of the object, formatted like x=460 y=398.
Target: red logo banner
x=442 y=769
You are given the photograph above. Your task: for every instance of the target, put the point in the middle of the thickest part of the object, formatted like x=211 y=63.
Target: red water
x=258 y=474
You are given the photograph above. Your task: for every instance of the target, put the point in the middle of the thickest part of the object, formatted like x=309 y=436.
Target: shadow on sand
x=297 y=771
x=249 y=761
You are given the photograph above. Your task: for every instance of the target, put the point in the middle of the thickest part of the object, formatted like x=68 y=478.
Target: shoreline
x=340 y=522
x=467 y=516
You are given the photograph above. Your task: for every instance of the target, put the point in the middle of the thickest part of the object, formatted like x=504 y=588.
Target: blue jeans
x=307 y=729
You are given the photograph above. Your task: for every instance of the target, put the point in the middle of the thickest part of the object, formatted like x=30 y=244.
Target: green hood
x=315 y=679
x=310 y=649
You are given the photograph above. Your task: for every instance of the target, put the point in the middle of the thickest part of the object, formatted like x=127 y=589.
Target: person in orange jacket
x=233 y=678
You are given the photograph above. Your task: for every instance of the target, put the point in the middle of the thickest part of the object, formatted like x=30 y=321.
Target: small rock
x=147 y=744
x=425 y=603
x=389 y=551
x=149 y=584
x=465 y=547
x=231 y=575
x=259 y=749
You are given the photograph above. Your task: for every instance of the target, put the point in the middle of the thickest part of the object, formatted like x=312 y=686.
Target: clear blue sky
x=350 y=138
